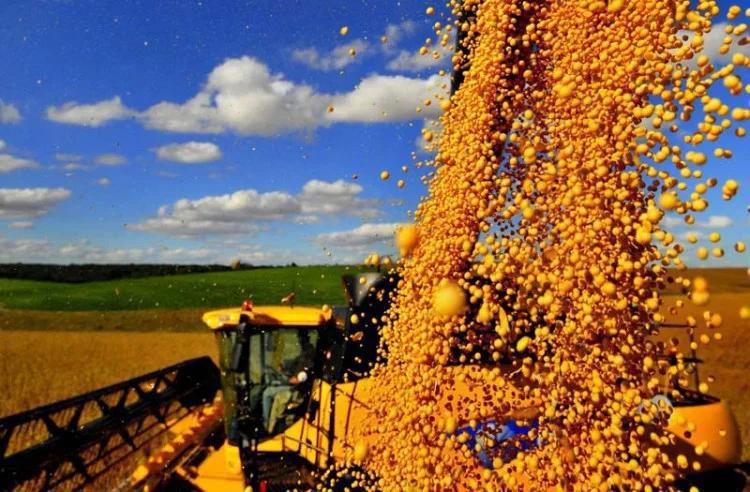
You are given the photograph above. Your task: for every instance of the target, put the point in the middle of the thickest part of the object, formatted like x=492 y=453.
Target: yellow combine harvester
x=295 y=389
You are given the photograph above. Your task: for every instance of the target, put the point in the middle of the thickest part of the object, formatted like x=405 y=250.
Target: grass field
x=315 y=286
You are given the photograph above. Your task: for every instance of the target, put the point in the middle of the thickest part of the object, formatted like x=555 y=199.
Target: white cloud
x=17 y=203
x=395 y=33
x=9 y=113
x=197 y=115
x=422 y=145
x=62 y=157
x=94 y=115
x=187 y=229
x=2 y=144
x=671 y=222
x=103 y=182
x=337 y=198
x=24 y=250
x=243 y=211
x=336 y=59
x=712 y=41
x=413 y=61
x=8 y=163
x=364 y=235
x=190 y=152
x=220 y=215
x=243 y=96
x=307 y=219
x=43 y=251
x=74 y=166
x=21 y=225
x=111 y=159
x=381 y=98
x=239 y=206
x=211 y=251
x=713 y=222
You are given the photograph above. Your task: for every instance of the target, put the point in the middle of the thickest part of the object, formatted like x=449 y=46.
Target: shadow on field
x=728 y=479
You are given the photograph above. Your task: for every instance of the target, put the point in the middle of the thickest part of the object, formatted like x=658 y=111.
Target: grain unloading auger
x=295 y=390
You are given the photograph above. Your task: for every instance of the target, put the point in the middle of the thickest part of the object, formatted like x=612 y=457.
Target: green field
x=314 y=286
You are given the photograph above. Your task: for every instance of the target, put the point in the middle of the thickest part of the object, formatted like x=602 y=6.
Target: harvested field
x=40 y=367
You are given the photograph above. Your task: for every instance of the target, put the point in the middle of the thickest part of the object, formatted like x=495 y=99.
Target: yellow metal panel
x=221 y=471
x=714 y=425
x=266 y=315
x=223 y=318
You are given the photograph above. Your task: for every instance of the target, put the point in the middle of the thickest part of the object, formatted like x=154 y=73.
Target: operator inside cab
x=285 y=376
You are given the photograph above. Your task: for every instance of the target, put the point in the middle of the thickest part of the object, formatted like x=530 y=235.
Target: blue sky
x=179 y=131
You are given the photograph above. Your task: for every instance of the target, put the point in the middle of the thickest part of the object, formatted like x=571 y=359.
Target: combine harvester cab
x=289 y=376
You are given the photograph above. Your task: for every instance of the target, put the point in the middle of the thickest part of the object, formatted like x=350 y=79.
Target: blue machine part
x=499 y=433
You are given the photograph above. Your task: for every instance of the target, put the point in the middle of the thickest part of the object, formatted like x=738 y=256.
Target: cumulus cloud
x=712 y=41
x=43 y=251
x=336 y=59
x=24 y=250
x=422 y=145
x=337 y=198
x=243 y=96
x=19 y=203
x=395 y=33
x=21 y=225
x=190 y=152
x=381 y=98
x=364 y=235
x=713 y=222
x=94 y=115
x=9 y=113
x=220 y=215
x=63 y=157
x=244 y=211
x=2 y=144
x=210 y=251
x=8 y=163
x=74 y=166
x=188 y=229
x=414 y=61
x=103 y=182
x=307 y=219
x=111 y=159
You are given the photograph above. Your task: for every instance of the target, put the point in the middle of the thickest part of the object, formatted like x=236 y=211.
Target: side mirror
x=240 y=350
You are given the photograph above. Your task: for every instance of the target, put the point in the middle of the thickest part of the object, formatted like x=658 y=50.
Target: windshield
x=281 y=366
x=279 y=372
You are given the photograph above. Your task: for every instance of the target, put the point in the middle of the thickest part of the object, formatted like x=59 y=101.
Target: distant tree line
x=79 y=273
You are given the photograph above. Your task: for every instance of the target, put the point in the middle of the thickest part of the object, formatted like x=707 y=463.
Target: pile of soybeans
x=540 y=246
